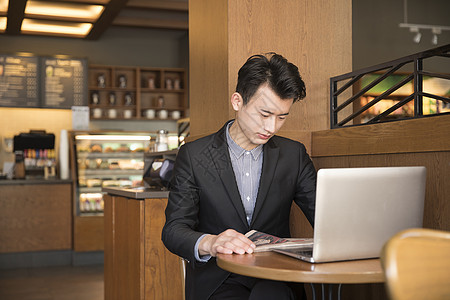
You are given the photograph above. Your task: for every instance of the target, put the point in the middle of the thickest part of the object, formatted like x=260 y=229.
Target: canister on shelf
x=112 y=98
x=162 y=141
x=161 y=101
x=151 y=83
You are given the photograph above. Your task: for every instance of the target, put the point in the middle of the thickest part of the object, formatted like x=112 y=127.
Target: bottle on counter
x=162 y=140
x=19 y=166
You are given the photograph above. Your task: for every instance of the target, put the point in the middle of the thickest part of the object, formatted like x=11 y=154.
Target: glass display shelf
x=106 y=160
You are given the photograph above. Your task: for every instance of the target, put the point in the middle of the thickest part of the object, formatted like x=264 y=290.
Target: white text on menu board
x=56 y=86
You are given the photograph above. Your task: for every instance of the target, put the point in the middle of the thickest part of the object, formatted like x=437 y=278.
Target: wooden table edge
x=224 y=262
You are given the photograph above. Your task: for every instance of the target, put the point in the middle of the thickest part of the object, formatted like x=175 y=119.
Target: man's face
x=260 y=119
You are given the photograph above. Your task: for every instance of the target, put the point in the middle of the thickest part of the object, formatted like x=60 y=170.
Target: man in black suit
x=243 y=177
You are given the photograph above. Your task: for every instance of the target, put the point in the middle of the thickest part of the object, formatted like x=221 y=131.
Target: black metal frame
x=183 y=129
x=390 y=68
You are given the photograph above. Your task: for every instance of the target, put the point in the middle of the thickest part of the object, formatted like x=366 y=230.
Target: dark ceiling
x=161 y=14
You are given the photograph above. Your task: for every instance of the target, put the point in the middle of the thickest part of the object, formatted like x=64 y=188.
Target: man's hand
x=228 y=242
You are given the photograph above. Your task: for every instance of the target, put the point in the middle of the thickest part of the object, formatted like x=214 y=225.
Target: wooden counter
x=35 y=215
x=137 y=265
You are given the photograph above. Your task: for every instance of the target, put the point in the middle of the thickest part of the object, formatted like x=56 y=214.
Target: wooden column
x=137 y=265
x=315 y=35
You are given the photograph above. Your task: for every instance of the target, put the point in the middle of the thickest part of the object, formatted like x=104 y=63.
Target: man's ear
x=236 y=101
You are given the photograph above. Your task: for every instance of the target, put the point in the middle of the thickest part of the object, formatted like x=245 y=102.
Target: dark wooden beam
x=15 y=15
x=151 y=23
x=182 y=6
x=109 y=14
x=93 y=2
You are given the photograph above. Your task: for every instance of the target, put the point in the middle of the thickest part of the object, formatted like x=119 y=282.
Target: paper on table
x=267 y=242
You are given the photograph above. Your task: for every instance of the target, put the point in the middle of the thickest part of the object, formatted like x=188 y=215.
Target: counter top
x=137 y=192
x=34 y=181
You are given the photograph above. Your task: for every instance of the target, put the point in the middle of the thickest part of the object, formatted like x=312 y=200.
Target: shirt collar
x=237 y=150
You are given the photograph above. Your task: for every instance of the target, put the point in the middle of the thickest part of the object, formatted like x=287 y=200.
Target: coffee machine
x=35 y=155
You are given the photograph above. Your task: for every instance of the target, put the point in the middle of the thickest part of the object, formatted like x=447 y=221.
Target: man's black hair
x=282 y=77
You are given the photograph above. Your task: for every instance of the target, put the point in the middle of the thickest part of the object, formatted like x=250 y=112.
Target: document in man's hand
x=267 y=242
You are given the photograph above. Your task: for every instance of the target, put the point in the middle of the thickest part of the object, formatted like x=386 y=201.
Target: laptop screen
x=359 y=209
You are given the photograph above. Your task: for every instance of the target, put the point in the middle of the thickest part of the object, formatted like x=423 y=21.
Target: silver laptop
x=359 y=209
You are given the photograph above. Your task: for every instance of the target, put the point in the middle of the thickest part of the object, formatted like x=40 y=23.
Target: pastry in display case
x=105 y=160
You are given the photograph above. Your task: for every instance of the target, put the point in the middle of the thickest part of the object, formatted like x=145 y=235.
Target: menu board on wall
x=19 y=86
x=64 y=82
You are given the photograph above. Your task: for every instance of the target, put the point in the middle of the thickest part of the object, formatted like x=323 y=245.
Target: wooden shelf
x=114 y=91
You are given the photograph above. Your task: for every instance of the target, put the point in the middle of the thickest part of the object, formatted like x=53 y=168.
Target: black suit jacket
x=204 y=198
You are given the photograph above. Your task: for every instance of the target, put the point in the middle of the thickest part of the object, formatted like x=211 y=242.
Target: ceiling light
x=434 y=39
x=63 y=10
x=435 y=29
x=106 y=137
x=3 y=6
x=56 y=28
x=2 y=23
x=417 y=37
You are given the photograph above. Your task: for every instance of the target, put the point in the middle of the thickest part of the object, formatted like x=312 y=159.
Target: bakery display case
x=106 y=160
x=102 y=159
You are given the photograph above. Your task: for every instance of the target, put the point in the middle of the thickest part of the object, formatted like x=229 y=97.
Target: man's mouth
x=263 y=136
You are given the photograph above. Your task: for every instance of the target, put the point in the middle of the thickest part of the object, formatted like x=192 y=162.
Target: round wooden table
x=275 y=266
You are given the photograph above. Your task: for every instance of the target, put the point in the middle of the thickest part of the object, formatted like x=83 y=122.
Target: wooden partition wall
x=314 y=35
x=419 y=142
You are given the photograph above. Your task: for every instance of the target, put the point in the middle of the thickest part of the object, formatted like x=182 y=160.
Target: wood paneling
x=162 y=268
x=420 y=142
x=88 y=234
x=123 y=248
x=35 y=217
x=137 y=265
x=127 y=260
x=108 y=218
x=437 y=198
x=208 y=65
x=418 y=135
x=314 y=35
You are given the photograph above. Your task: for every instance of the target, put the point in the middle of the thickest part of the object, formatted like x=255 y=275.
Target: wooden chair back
x=416 y=264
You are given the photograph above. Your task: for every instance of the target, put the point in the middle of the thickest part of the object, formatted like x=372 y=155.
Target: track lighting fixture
x=415 y=28
x=417 y=36
x=434 y=39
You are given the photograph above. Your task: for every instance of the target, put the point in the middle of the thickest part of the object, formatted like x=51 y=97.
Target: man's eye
x=264 y=115
x=281 y=117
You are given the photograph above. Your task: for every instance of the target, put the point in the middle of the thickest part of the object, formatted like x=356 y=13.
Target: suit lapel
x=221 y=159
x=270 y=159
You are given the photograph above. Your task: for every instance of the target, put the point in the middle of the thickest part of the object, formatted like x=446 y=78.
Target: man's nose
x=270 y=124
